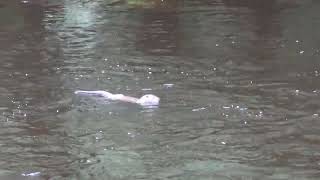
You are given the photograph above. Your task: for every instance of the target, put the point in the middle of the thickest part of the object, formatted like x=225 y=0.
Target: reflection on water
x=159 y=25
x=238 y=81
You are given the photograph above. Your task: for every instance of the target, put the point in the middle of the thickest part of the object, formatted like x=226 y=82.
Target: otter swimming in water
x=146 y=100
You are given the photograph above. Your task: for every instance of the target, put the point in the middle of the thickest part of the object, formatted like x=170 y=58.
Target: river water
x=238 y=82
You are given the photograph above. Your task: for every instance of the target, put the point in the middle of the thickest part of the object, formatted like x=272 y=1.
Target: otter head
x=149 y=100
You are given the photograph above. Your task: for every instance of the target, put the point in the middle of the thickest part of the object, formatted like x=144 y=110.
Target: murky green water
x=238 y=82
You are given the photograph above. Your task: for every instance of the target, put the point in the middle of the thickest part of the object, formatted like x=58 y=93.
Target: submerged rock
x=114 y=165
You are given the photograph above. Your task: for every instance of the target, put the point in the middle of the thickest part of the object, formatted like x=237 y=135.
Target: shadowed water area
x=238 y=82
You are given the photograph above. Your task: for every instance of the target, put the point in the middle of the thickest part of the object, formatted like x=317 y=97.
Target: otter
x=146 y=100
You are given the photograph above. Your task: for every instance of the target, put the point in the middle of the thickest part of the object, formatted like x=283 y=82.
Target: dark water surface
x=238 y=82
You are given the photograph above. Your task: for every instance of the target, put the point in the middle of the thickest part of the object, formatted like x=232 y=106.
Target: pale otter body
x=146 y=100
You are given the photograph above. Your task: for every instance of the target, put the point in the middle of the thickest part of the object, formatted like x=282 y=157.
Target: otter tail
x=95 y=93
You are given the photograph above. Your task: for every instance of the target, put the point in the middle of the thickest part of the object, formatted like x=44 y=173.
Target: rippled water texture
x=238 y=82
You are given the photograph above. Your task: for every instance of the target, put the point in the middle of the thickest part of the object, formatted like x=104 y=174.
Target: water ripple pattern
x=238 y=82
